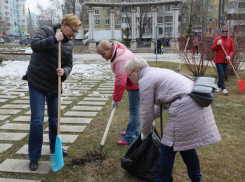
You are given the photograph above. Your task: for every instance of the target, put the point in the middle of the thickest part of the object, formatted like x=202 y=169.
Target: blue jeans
x=167 y=162
x=37 y=103
x=222 y=69
x=134 y=116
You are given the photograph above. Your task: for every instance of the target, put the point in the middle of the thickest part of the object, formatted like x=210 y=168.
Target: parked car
x=147 y=43
x=2 y=41
x=25 y=41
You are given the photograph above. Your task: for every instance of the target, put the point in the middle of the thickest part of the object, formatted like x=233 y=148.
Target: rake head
x=241 y=85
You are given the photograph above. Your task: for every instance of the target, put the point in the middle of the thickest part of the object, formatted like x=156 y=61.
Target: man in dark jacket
x=220 y=59
x=42 y=76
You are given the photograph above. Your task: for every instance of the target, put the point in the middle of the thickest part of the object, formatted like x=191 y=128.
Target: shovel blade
x=241 y=85
x=57 y=161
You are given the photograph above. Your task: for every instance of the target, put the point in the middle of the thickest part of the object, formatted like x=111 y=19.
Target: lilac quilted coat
x=189 y=125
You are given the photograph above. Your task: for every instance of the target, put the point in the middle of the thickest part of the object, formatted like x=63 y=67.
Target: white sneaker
x=218 y=89
x=225 y=92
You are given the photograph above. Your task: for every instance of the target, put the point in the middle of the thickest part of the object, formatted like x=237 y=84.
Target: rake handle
x=107 y=128
x=59 y=85
x=230 y=61
x=183 y=53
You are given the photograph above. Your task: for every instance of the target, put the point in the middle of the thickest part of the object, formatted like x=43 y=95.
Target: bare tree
x=142 y=16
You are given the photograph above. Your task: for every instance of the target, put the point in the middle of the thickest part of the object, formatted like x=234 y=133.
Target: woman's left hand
x=60 y=72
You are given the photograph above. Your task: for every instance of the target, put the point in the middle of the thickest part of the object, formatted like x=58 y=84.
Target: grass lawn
x=220 y=162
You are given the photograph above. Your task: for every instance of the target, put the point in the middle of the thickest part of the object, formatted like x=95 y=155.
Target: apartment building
x=12 y=16
x=200 y=16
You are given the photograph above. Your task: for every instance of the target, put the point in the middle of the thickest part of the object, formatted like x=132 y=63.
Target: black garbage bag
x=142 y=157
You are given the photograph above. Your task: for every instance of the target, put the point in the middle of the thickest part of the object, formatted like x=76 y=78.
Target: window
x=107 y=22
x=209 y=19
x=126 y=20
x=197 y=19
x=118 y=12
x=168 y=29
x=106 y=1
x=96 y=1
x=107 y=11
x=168 y=19
x=210 y=7
x=168 y=7
x=97 y=12
x=97 y=22
x=184 y=9
x=118 y=21
x=208 y=30
x=85 y=22
x=184 y=20
x=241 y=5
x=159 y=19
x=160 y=30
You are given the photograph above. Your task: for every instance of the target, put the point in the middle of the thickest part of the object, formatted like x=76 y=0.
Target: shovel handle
x=229 y=61
x=59 y=85
x=183 y=53
x=107 y=128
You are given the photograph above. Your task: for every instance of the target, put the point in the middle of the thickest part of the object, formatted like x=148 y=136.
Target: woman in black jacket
x=42 y=76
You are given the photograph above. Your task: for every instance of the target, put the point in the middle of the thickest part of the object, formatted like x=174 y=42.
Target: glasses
x=225 y=31
x=74 y=31
x=130 y=74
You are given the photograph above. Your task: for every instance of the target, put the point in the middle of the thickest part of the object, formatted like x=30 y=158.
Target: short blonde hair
x=105 y=45
x=71 y=19
x=135 y=62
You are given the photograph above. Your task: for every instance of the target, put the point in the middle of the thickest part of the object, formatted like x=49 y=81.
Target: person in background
x=118 y=55
x=220 y=59
x=42 y=76
x=195 y=45
x=189 y=125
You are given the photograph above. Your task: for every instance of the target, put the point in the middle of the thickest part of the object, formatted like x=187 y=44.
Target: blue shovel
x=56 y=159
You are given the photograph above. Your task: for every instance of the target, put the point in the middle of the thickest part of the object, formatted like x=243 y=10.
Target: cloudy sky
x=32 y=4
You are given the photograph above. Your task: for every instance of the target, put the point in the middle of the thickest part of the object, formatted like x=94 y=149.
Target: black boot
x=33 y=165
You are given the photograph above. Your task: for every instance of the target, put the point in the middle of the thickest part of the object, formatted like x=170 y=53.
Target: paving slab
x=108 y=84
x=73 y=113
x=91 y=103
x=15 y=106
x=3 y=117
x=22 y=166
x=15 y=126
x=65 y=138
x=63 y=102
x=80 y=88
x=12 y=136
x=27 y=118
x=21 y=90
x=70 y=128
x=14 y=93
x=21 y=102
x=100 y=95
x=45 y=149
x=4 y=147
x=3 y=100
x=7 y=97
x=8 y=111
x=75 y=120
x=69 y=98
x=16 y=180
x=86 y=108
x=106 y=91
x=95 y=99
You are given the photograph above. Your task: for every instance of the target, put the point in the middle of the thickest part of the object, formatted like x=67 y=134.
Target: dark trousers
x=195 y=49
x=167 y=162
x=222 y=69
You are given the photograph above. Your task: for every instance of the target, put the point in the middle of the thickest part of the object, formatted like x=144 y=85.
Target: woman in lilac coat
x=189 y=125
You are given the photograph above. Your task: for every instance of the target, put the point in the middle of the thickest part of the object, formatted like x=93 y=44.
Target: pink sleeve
x=120 y=81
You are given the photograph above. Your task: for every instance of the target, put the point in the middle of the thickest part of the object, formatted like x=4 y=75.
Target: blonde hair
x=71 y=19
x=105 y=45
x=135 y=62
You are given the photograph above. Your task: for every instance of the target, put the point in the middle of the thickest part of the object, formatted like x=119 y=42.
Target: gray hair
x=136 y=62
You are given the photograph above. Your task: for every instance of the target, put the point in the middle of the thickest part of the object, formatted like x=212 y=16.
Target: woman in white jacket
x=189 y=125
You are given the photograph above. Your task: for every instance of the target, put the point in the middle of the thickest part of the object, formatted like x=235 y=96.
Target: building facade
x=12 y=16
